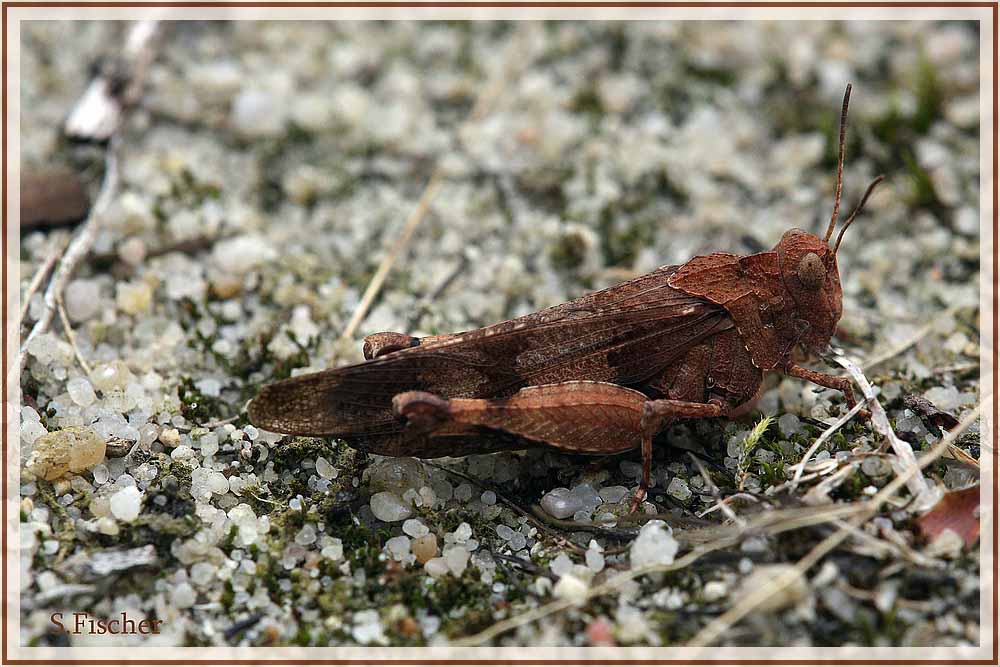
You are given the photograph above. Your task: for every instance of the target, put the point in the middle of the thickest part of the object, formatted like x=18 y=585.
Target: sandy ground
x=265 y=175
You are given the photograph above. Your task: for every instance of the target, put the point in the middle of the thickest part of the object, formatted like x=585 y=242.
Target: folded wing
x=624 y=334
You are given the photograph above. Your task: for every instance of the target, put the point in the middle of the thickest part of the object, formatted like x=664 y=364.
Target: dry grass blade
x=70 y=336
x=906 y=343
x=714 y=490
x=826 y=435
x=918 y=485
x=483 y=104
x=57 y=246
x=375 y=284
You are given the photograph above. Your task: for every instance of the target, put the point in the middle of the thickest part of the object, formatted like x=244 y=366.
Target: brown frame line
x=4 y=367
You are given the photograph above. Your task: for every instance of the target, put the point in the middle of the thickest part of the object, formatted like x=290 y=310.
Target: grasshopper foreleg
x=841 y=384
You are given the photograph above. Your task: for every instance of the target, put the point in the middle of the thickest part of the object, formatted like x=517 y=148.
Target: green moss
x=922 y=193
x=230 y=540
x=568 y=252
x=930 y=96
x=302 y=637
x=228 y=595
x=622 y=239
x=718 y=76
x=160 y=530
x=588 y=101
x=292 y=452
x=195 y=406
x=772 y=473
x=191 y=192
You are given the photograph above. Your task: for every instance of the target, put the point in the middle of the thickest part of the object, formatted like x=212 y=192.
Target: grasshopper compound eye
x=811 y=271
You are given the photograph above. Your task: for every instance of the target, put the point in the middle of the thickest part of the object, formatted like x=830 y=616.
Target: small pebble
x=679 y=489
x=594 y=557
x=101 y=474
x=112 y=375
x=81 y=391
x=389 y=507
x=324 y=469
x=183 y=596
x=613 y=494
x=398 y=547
x=571 y=587
x=126 y=504
x=425 y=547
x=414 y=528
x=133 y=298
x=714 y=590
x=560 y=565
x=655 y=545
x=170 y=437
x=561 y=503
x=789 y=425
x=82 y=299
x=71 y=450
x=436 y=567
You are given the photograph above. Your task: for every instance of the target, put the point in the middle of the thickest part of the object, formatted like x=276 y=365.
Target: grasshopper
x=599 y=375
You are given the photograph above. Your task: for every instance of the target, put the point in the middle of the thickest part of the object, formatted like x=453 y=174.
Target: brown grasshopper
x=599 y=375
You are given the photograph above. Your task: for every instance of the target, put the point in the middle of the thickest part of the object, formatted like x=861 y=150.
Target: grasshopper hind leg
x=582 y=417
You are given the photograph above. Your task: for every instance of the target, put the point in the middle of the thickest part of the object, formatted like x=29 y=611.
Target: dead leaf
x=957 y=511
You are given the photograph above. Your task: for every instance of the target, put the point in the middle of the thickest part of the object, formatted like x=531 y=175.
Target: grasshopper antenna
x=840 y=165
x=857 y=211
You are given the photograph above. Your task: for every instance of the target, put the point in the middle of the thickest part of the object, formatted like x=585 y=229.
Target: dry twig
x=68 y=329
x=76 y=252
x=118 y=85
x=97 y=116
x=57 y=246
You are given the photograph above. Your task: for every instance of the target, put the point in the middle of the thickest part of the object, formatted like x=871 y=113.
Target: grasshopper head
x=809 y=264
x=811 y=278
